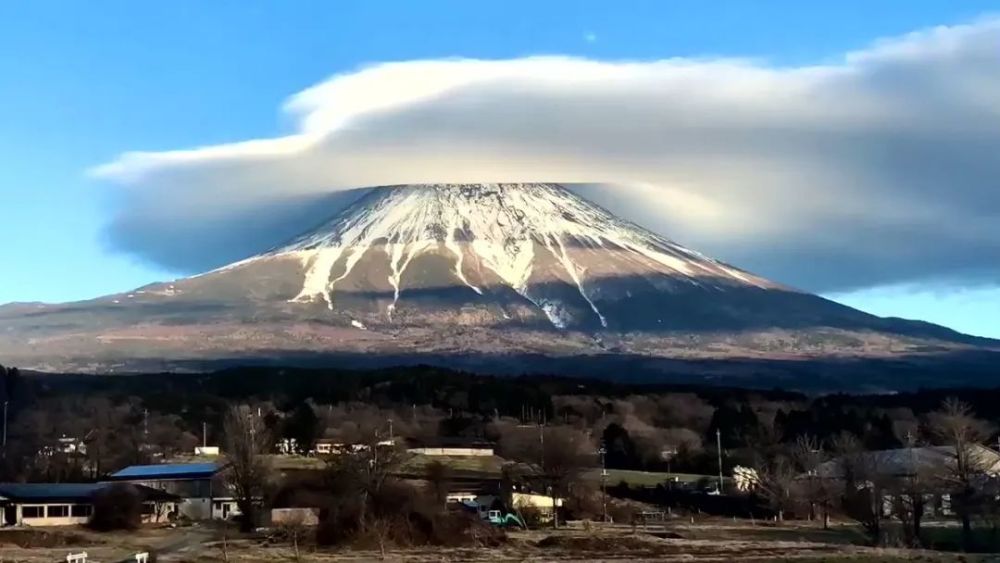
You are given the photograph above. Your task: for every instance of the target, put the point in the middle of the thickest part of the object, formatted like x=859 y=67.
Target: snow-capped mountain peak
x=511 y=230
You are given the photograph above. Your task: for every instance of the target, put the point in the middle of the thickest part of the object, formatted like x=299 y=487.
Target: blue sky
x=82 y=82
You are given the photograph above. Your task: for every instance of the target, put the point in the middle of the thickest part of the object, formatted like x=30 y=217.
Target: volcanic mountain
x=491 y=273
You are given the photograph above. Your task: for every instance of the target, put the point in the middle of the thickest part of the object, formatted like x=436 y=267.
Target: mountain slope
x=453 y=270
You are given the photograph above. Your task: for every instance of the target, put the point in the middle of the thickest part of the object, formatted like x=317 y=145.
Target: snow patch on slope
x=571 y=269
x=457 y=251
x=317 y=280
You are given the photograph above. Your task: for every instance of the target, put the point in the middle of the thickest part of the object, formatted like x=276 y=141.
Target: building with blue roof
x=201 y=487
x=63 y=504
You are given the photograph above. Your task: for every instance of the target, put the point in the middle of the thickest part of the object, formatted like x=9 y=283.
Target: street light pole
x=718 y=447
x=5 y=428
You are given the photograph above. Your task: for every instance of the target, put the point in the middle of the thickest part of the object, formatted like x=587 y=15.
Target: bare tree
x=910 y=488
x=775 y=468
x=105 y=437
x=439 y=478
x=776 y=481
x=956 y=426
x=360 y=473
x=567 y=451
x=249 y=473
x=294 y=529
x=863 y=485
x=808 y=455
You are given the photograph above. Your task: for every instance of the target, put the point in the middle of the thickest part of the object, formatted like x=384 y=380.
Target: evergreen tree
x=303 y=426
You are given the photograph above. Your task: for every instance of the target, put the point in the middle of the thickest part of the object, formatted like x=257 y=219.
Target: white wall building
x=67 y=504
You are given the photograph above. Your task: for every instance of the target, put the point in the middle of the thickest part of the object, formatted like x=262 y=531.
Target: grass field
x=486 y=466
x=491 y=467
x=644 y=478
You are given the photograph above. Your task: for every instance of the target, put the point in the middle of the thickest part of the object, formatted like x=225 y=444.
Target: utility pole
x=390 y=429
x=604 y=483
x=5 y=428
x=145 y=423
x=718 y=447
x=204 y=434
x=541 y=447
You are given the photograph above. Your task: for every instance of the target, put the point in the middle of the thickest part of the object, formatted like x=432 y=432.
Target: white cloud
x=880 y=168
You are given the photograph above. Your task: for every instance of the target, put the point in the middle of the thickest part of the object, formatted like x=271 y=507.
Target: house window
x=148 y=508
x=81 y=510
x=32 y=511
x=57 y=511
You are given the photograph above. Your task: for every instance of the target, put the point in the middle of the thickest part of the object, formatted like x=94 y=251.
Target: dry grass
x=713 y=541
x=576 y=546
x=29 y=545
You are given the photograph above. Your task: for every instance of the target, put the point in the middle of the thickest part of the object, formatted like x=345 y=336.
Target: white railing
x=76 y=557
x=142 y=557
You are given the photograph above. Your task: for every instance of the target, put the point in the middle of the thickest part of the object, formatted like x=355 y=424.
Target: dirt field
x=701 y=542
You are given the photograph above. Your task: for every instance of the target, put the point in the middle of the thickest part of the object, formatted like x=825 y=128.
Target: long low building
x=451 y=447
x=67 y=504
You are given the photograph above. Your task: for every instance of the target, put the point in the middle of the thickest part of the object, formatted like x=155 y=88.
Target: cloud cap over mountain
x=874 y=169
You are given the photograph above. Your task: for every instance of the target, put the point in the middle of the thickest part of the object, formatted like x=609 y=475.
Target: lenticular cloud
x=876 y=169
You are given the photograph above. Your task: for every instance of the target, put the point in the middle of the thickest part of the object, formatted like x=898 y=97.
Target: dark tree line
x=653 y=427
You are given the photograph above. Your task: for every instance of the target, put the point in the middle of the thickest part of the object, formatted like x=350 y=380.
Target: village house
x=333 y=446
x=67 y=504
x=904 y=469
x=201 y=487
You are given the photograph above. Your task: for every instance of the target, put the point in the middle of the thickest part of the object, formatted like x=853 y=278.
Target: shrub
x=117 y=507
x=403 y=516
x=530 y=514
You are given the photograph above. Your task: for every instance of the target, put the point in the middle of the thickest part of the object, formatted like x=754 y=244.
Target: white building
x=67 y=504
x=330 y=446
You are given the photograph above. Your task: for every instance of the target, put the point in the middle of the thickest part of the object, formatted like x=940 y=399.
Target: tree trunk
x=362 y=513
x=966 y=531
x=249 y=518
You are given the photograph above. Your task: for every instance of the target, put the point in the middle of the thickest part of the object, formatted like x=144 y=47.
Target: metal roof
x=168 y=471
x=48 y=491
x=69 y=492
